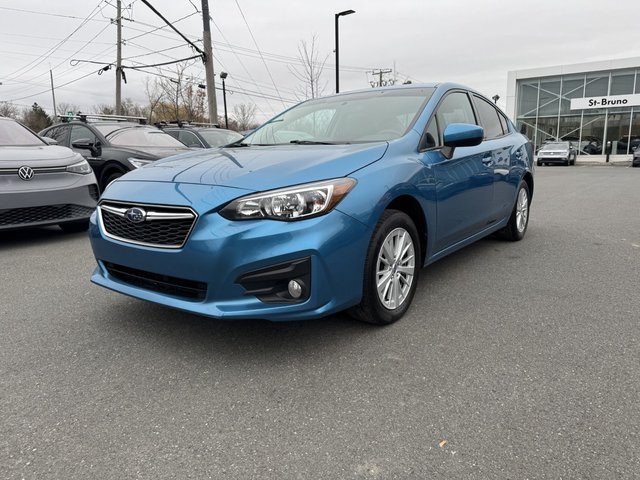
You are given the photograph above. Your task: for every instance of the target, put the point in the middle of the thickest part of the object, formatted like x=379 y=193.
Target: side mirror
x=461 y=135
x=86 y=144
x=49 y=140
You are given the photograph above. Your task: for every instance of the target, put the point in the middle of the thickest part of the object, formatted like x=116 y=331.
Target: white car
x=557 y=152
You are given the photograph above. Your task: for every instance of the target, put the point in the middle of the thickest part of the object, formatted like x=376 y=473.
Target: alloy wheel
x=395 y=268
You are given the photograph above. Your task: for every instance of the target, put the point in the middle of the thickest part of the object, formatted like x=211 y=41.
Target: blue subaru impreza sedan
x=337 y=203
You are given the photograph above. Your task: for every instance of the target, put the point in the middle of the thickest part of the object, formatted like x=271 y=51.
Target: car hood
x=37 y=156
x=257 y=168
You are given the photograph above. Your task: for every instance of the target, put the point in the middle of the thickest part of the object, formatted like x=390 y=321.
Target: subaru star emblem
x=135 y=215
x=25 y=173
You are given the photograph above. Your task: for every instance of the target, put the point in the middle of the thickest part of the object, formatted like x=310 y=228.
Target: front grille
x=178 y=287
x=44 y=214
x=162 y=226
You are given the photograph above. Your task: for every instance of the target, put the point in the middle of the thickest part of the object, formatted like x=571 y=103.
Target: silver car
x=42 y=184
x=557 y=152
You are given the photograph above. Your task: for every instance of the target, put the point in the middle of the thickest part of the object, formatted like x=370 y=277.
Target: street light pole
x=223 y=75
x=337 y=16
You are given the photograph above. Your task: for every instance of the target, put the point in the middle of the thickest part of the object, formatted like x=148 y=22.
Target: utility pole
x=380 y=73
x=53 y=93
x=119 y=60
x=208 y=64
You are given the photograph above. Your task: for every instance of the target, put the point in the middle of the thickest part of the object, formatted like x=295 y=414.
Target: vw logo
x=135 y=215
x=25 y=173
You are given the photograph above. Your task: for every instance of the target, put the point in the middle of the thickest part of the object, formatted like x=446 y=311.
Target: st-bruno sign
x=605 y=101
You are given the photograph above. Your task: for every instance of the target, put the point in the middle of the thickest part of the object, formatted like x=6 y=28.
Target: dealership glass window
x=572 y=87
x=547 y=130
x=637 y=90
x=618 y=131
x=569 y=127
x=527 y=99
x=592 y=133
x=622 y=82
x=549 y=97
x=635 y=130
x=597 y=85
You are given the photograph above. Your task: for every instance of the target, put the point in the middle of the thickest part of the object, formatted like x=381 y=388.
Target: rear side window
x=489 y=118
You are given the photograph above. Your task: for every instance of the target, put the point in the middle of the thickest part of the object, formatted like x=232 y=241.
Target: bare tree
x=310 y=70
x=66 y=107
x=154 y=97
x=244 y=116
x=8 y=110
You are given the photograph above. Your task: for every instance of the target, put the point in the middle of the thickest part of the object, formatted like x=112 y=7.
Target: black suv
x=196 y=135
x=113 y=145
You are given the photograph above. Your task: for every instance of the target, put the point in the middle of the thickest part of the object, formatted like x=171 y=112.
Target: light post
x=337 y=16
x=223 y=75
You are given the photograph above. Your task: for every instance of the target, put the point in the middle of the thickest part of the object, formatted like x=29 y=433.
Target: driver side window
x=455 y=108
x=80 y=133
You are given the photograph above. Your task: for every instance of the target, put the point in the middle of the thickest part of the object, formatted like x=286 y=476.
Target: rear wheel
x=519 y=220
x=391 y=270
x=75 y=227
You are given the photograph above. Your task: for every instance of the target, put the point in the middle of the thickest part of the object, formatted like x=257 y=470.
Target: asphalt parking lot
x=517 y=360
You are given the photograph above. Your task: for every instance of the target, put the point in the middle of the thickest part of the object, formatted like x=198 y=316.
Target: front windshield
x=144 y=137
x=379 y=115
x=218 y=138
x=12 y=134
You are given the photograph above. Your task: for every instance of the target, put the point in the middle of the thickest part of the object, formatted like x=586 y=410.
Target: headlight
x=82 y=167
x=139 y=162
x=293 y=203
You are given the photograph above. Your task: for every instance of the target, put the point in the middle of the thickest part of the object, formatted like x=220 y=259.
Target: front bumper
x=48 y=207
x=220 y=253
x=553 y=159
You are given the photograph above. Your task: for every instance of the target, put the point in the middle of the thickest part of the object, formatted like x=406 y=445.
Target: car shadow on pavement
x=29 y=237
x=162 y=329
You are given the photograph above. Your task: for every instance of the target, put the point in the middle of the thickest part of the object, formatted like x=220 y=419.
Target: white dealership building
x=594 y=105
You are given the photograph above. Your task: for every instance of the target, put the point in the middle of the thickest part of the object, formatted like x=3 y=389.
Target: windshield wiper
x=310 y=142
x=239 y=143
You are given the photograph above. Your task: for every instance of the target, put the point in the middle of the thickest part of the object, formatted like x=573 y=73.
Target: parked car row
x=115 y=145
x=55 y=178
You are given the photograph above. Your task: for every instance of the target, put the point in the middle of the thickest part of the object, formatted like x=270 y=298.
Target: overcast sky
x=256 y=42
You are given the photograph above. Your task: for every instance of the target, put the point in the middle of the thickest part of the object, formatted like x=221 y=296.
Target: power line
x=30 y=66
x=256 y=44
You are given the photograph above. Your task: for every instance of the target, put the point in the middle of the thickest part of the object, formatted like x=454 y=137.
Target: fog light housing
x=288 y=282
x=295 y=288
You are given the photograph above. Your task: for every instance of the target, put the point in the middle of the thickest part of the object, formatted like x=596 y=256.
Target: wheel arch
x=528 y=177
x=109 y=168
x=411 y=207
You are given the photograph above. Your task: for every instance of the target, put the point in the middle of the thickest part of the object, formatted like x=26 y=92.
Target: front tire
x=519 y=220
x=391 y=270
x=114 y=175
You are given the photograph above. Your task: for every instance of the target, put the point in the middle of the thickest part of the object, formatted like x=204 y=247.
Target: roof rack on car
x=85 y=117
x=185 y=123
